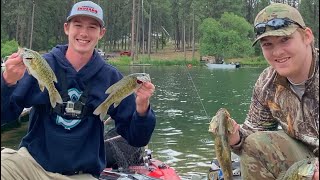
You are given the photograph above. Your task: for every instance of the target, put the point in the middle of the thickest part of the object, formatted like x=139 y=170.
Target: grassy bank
x=169 y=56
x=125 y=61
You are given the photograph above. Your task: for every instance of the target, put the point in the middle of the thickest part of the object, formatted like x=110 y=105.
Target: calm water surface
x=184 y=102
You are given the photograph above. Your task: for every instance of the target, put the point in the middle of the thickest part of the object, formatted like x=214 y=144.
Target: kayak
x=132 y=163
x=154 y=170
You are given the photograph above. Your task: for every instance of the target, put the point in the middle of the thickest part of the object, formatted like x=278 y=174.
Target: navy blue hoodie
x=65 y=145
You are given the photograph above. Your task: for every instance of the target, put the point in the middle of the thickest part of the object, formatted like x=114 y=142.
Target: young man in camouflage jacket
x=286 y=94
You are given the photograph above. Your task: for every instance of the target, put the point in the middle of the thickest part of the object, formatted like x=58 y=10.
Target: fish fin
x=58 y=98
x=41 y=86
x=113 y=88
x=101 y=110
x=54 y=77
x=55 y=97
x=116 y=104
x=110 y=89
x=29 y=71
x=103 y=115
x=98 y=110
x=20 y=50
x=213 y=125
x=116 y=85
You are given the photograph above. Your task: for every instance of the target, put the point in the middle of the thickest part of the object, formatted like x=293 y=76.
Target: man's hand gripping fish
x=120 y=90
x=221 y=126
x=38 y=67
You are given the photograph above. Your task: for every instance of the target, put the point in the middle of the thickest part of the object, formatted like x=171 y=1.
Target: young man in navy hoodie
x=59 y=145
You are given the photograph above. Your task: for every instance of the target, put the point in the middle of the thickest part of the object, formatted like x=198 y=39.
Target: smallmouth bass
x=39 y=68
x=221 y=126
x=120 y=90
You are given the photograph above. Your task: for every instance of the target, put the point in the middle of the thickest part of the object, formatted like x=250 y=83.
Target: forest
x=38 y=24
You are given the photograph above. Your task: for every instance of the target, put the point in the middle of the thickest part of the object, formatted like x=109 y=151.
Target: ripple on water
x=169 y=131
x=168 y=99
x=169 y=152
x=173 y=112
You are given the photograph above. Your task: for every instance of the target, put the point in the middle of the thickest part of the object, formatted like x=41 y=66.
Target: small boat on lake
x=223 y=66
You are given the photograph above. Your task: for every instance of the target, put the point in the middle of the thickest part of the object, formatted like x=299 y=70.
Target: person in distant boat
x=287 y=95
x=67 y=142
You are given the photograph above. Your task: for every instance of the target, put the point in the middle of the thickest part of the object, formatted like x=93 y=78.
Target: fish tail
x=102 y=110
x=103 y=115
x=54 y=97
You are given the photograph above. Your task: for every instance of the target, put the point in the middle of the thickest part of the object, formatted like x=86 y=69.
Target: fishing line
x=196 y=90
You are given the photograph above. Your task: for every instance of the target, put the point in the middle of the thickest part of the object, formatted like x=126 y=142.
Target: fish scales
x=123 y=90
x=38 y=67
x=221 y=126
x=120 y=90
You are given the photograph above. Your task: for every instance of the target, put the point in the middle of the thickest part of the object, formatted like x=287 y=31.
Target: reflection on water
x=184 y=102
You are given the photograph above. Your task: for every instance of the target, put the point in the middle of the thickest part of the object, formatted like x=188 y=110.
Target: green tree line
x=38 y=24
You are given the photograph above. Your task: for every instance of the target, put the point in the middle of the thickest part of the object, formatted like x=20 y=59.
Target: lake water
x=184 y=102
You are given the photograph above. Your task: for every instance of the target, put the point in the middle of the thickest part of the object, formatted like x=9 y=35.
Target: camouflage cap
x=278 y=10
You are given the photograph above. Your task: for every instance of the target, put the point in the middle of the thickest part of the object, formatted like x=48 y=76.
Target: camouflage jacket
x=274 y=103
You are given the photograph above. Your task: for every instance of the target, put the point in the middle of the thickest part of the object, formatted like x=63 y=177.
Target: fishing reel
x=215 y=172
x=147 y=158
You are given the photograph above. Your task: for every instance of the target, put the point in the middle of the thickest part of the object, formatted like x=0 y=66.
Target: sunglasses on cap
x=274 y=24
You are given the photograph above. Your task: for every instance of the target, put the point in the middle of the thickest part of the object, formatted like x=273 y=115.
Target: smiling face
x=83 y=34
x=291 y=55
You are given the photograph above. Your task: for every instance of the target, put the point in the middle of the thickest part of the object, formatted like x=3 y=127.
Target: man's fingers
x=148 y=85
x=15 y=64
x=14 y=59
x=14 y=55
x=236 y=126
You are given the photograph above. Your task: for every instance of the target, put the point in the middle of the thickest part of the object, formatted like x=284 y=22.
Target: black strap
x=64 y=85
x=80 y=104
x=83 y=99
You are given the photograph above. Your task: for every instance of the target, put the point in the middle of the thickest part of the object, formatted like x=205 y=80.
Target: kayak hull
x=155 y=169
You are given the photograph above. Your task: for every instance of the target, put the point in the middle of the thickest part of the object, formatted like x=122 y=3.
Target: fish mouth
x=143 y=78
x=25 y=53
